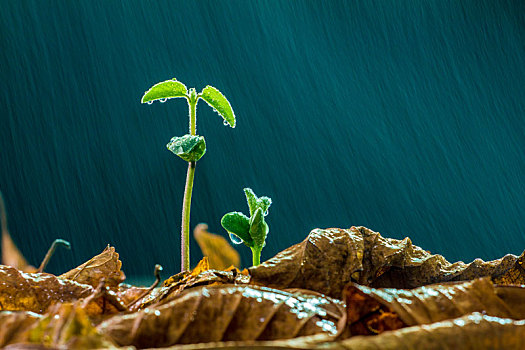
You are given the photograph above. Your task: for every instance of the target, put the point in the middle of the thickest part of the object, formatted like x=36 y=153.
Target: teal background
x=403 y=116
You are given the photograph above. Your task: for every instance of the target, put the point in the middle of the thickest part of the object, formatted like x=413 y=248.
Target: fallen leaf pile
x=338 y=289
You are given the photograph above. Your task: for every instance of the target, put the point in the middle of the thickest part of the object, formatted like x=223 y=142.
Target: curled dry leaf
x=473 y=331
x=328 y=259
x=105 y=266
x=220 y=253
x=436 y=302
x=227 y=313
x=36 y=291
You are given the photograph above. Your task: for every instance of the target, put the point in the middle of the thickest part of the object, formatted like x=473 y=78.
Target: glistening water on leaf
x=189 y=147
x=251 y=231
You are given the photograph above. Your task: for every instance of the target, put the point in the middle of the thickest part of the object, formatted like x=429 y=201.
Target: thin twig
x=158 y=269
x=51 y=251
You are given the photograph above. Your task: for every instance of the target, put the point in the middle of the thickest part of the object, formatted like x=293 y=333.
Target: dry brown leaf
x=64 y=326
x=328 y=259
x=200 y=275
x=105 y=266
x=208 y=314
x=473 y=331
x=11 y=255
x=16 y=326
x=437 y=302
x=36 y=291
x=514 y=275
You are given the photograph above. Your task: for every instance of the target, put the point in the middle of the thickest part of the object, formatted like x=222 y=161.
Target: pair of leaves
x=175 y=89
x=190 y=148
x=250 y=231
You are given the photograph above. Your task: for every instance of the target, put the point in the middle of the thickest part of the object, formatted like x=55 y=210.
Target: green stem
x=256 y=256
x=185 y=229
x=186 y=205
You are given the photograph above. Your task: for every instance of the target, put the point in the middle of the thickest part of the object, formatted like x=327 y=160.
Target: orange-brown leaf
x=219 y=252
x=36 y=291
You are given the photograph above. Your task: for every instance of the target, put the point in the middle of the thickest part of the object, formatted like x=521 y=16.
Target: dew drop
x=235 y=239
x=162 y=100
x=265 y=212
x=150 y=102
x=225 y=122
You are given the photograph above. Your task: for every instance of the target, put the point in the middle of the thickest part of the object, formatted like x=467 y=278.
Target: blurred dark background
x=407 y=117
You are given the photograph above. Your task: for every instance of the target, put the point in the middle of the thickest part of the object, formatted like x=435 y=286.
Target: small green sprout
x=251 y=231
x=190 y=147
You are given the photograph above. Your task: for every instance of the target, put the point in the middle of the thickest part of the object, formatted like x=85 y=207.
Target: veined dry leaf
x=200 y=275
x=105 y=266
x=328 y=259
x=208 y=314
x=514 y=275
x=220 y=253
x=473 y=331
x=36 y=291
x=436 y=302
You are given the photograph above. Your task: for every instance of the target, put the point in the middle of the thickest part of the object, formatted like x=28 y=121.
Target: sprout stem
x=186 y=204
x=256 y=255
x=185 y=229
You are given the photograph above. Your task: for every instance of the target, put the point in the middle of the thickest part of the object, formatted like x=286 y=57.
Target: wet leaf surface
x=36 y=291
x=473 y=331
x=88 y=307
x=216 y=313
x=330 y=258
x=436 y=302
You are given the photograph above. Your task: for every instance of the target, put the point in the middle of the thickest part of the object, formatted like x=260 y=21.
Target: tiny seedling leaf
x=258 y=228
x=238 y=226
x=254 y=202
x=189 y=147
x=219 y=103
x=165 y=90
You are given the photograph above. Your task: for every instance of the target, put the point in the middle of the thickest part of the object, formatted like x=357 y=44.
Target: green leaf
x=254 y=202
x=189 y=147
x=219 y=103
x=258 y=228
x=164 y=90
x=251 y=198
x=237 y=224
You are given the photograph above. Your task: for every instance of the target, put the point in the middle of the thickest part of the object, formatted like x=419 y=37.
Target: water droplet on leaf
x=162 y=100
x=235 y=239
x=150 y=102
x=225 y=122
x=265 y=212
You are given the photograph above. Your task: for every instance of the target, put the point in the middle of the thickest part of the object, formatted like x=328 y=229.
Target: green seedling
x=190 y=147
x=251 y=231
